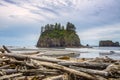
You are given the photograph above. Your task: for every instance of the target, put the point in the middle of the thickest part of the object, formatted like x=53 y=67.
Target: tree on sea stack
x=70 y=27
x=55 y=35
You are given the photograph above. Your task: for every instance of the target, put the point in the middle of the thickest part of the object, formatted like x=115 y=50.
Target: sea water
x=95 y=52
x=84 y=52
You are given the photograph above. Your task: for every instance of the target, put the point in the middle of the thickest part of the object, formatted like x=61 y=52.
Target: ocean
x=112 y=52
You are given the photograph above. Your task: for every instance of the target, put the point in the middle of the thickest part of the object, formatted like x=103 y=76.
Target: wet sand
x=52 y=52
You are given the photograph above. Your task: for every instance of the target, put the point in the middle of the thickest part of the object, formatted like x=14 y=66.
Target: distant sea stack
x=108 y=43
x=55 y=35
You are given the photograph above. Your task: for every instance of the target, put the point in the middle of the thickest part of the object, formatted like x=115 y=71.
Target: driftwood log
x=10 y=76
x=29 y=53
x=59 y=77
x=17 y=66
x=39 y=71
x=100 y=77
x=91 y=71
x=9 y=71
x=36 y=77
x=6 y=49
x=91 y=65
x=111 y=71
x=4 y=67
x=20 y=56
x=2 y=50
x=63 y=68
x=4 y=60
x=23 y=57
x=23 y=63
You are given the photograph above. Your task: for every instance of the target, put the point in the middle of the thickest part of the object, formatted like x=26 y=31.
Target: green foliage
x=57 y=35
x=54 y=33
x=58 y=31
x=70 y=27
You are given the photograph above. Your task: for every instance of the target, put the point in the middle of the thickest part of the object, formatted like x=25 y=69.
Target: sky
x=95 y=20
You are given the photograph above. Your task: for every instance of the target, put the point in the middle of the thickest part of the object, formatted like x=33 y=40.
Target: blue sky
x=21 y=20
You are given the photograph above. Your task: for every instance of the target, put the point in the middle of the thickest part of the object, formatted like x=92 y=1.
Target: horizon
x=95 y=20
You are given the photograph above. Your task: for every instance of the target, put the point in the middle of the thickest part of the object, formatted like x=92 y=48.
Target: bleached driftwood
x=3 y=60
x=2 y=50
x=92 y=71
x=63 y=68
x=4 y=67
x=22 y=57
x=39 y=71
x=23 y=63
x=92 y=65
x=9 y=71
x=59 y=77
x=10 y=76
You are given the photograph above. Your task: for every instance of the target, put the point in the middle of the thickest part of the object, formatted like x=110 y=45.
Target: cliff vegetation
x=56 y=35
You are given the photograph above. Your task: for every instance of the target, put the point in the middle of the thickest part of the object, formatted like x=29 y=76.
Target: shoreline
x=58 y=68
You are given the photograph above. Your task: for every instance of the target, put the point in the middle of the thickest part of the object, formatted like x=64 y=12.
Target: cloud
x=76 y=10
x=2 y=4
x=13 y=16
x=101 y=33
x=10 y=1
x=89 y=16
x=48 y=10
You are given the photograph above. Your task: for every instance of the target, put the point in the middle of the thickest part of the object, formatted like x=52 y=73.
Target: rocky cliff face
x=57 y=36
x=109 y=43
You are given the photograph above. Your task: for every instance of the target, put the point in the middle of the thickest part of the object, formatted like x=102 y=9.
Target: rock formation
x=108 y=43
x=57 y=36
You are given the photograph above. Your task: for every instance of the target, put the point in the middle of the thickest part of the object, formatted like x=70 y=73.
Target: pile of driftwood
x=14 y=66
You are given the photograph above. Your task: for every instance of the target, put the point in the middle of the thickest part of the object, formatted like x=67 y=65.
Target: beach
x=56 y=64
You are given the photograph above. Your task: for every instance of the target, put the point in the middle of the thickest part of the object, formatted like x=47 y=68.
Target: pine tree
x=62 y=27
x=59 y=26
x=42 y=29
x=47 y=27
x=56 y=26
x=70 y=27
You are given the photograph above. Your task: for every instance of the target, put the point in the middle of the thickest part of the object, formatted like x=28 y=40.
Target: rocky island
x=55 y=35
x=108 y=43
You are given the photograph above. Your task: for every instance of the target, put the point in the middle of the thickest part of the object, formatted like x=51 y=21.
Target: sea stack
x=55 y=35
x=108 y=43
